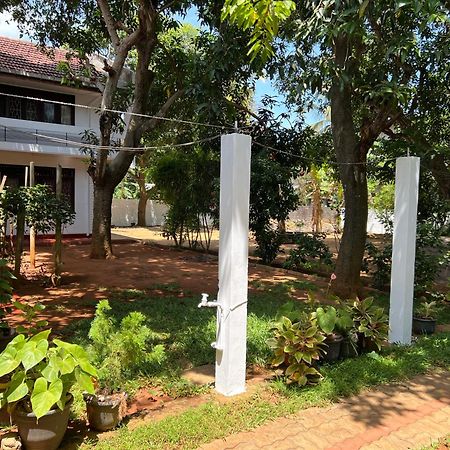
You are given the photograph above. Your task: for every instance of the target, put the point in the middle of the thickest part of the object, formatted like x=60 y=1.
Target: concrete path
x=402 y=416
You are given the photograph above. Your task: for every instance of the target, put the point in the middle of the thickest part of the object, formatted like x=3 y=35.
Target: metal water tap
x=218 y=344
x=205 y=303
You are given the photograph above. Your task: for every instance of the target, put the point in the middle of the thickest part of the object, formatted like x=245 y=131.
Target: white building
x=30 y=127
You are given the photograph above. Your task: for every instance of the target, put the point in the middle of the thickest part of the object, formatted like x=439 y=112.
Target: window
x=14 y=108
x=15 y=176
x=40 y=111
x=32 y=110
x=66 y=114
x=49 y=112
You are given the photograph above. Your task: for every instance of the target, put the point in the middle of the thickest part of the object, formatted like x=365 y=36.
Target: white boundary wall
x=125 y=212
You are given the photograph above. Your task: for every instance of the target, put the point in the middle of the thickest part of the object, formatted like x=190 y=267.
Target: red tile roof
x=25 y=58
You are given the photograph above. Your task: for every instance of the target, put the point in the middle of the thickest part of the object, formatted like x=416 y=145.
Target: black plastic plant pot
x=424 y=326
x=105 y=412
x=333 y=342
x=6 y=336
x=348 y=349
x=366 y=344
x=46 y=433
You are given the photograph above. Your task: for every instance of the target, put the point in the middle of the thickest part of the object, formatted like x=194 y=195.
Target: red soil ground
x=137 y=266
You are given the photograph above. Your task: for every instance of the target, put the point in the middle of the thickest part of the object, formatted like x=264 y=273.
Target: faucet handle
x=204 y=300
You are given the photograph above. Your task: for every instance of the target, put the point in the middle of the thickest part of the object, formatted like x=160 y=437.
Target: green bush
x=432 y=254
x=121 y=350
x=297 y=347
x=309 y=247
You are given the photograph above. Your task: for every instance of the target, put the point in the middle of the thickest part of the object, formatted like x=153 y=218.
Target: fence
x=125 y=212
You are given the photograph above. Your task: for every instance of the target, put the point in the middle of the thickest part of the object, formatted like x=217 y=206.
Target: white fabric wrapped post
x=231 y=342
x=404 y=249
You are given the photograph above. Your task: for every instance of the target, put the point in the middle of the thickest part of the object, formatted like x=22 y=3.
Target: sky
x=263 y=86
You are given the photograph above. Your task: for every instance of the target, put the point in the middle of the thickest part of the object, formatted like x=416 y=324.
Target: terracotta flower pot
x=105 y=412
x=45 y=434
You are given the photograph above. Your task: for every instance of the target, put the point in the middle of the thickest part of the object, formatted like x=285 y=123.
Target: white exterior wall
x=19 y=145
x=84 y=118
x=125 y=212
x=83 y=183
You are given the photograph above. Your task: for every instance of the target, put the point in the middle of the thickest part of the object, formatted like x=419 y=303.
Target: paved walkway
x=403 y=416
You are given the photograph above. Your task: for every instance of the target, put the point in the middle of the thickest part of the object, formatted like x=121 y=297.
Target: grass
x=442 y=443
x=212 y=420
x=186 y=332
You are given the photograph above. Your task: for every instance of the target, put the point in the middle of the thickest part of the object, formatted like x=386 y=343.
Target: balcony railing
x=39 y=137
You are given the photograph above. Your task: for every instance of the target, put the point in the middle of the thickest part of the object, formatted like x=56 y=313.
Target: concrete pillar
x=404 y=249
x=231 y=344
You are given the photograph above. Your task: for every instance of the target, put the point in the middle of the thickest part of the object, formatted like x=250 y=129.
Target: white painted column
x=231 y=344
x=404 y=249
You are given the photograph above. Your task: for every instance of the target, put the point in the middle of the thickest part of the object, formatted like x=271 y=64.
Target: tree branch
x=110 y=23
x=152 y=123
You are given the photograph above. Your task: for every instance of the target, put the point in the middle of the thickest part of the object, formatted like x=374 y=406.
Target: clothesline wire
x=293 y=155
x=96 y=147
x=115 y=147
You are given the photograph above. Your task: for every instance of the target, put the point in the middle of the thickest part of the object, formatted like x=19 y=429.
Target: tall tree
x=365 y=60
x=129 y=33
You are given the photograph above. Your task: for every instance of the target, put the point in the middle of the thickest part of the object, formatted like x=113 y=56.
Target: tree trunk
x=20 y=231
x=352 y=169
x=282 y=226
x=351 y=250
x=143 y=197
x=101 y=246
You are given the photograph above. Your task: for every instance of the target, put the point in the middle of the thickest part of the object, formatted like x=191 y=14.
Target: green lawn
x=186 y=333
x=213 y=420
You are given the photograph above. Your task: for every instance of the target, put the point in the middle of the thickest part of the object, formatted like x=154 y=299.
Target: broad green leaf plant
x=297 y=347
x=41 y=373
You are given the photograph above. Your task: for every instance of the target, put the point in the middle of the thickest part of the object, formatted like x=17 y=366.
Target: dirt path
x=137 y=266
x=394 y=417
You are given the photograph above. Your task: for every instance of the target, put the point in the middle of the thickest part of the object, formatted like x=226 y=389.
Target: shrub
x=309 y=247
x=370 y=322
x=120 y=350
x=6 y=291
x=431 y=255
x=297 y=346
x=268 y=242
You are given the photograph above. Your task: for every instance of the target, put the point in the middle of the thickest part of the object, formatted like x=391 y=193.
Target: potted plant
x=6 y=292
x=42 y=374
x=424 y=320
x=370 y=324
x=119 y=349
x=326 y=319
x=297 y=347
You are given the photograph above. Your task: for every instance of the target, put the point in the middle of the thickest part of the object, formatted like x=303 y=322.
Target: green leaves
x=32 y=353
x=296 y=346
x=326 y=319
x=45 y=396
x=263 y=17
x=17 y=388
x=44 y=372
x=6 y=276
